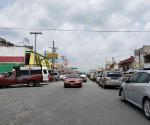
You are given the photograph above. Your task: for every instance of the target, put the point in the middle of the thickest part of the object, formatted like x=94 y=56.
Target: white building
x=11 y=55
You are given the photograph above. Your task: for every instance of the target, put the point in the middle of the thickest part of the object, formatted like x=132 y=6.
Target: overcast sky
x=85 y=50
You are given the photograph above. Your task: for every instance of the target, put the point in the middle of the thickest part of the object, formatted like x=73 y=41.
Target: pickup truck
x=13 y=79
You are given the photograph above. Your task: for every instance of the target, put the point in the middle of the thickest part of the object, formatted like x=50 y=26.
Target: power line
x=70 y=30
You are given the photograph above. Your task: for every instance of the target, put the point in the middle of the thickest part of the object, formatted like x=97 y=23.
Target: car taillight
x=107 y=78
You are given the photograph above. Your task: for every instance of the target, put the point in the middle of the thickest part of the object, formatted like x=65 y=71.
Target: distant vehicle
x=62 y=77
x=55 y=75
x=50 y=78
x=36 y=70
x=98 y=76
x=73 y=80
x=111 y=78
x=137 y=91
x=128 y=74
x=93 y=76
x=83 y=76
x=29 y=77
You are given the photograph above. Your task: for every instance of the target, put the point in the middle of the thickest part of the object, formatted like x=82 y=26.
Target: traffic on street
x=74 y=62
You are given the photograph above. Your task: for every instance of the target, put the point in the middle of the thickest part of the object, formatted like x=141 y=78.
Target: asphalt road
x=54 y=105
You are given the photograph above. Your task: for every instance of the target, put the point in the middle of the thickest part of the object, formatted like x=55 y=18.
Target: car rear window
x=110 y=74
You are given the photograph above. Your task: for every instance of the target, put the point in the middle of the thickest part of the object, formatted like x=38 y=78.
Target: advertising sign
x=52 y=55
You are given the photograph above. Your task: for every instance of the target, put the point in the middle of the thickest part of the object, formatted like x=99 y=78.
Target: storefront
x=38 y=60
x=126 y=64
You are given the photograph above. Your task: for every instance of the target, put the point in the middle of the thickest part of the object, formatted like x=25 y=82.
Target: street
x=54 y=105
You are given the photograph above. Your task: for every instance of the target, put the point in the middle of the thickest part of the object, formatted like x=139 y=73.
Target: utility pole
x=35 y=35
x=139 y=59
x=53 y=51
x=65 y=62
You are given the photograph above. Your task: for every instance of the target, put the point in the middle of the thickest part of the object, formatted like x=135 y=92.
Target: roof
x=146 y=71
x=132 y=70
x=145 y=50
x=3 y=42
x=126 y=61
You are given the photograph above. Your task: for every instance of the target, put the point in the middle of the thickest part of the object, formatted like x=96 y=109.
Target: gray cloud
x=83 y=49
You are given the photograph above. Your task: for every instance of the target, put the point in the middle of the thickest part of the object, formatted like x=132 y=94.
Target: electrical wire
x=70 y=30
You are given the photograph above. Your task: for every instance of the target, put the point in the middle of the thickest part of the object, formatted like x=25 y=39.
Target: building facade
x=15 y=56
x=142 y=57
x=126 y=64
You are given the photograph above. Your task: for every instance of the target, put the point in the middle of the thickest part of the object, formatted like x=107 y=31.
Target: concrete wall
x=13 y=51
x=12 y=54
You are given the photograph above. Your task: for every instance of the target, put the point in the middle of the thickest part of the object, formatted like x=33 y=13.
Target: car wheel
x=103 y=85
x=122 y=96
x=31 y=84
x=146 y=108
x=99 y=83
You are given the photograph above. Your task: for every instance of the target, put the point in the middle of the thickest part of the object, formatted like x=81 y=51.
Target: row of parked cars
x=107 y=78
x=134 y=86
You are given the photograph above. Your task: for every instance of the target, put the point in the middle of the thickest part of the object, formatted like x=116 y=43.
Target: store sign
x=52 y=55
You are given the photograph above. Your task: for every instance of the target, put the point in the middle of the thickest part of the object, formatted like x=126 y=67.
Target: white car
x=137 y=90
x=62 y=77
x=84 y=77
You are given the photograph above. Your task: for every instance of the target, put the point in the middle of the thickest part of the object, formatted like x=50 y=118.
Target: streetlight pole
x=53 y=59
x=35 y=35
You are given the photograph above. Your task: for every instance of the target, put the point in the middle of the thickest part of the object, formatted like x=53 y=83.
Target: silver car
x=137 y=91
x=110 y=78
x=98 y=76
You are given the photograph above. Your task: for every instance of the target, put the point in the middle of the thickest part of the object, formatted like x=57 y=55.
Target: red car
x=21 y=78
x=73 y=80
x=50 y=78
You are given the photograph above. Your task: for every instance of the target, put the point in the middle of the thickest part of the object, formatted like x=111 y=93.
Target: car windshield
x=73 y=76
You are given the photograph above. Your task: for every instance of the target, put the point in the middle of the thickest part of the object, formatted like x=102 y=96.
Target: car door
x=45 y=74
x=130 y=86
x=140 y=86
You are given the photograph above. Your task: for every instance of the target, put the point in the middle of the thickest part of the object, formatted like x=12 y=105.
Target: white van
x=45 y=74
x=36 y=70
